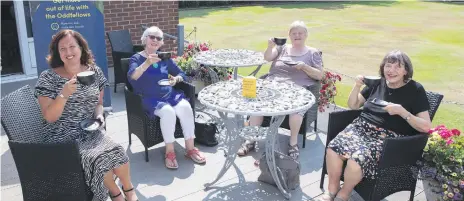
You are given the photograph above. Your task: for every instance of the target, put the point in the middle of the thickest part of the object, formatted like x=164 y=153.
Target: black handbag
x=205 y=132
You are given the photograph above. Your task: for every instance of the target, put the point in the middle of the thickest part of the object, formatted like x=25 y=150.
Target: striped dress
x=98 y=152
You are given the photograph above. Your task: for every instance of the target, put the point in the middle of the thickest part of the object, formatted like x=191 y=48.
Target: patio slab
x=156 y=183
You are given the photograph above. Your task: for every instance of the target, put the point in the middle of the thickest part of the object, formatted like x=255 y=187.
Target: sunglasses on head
x=158 y=38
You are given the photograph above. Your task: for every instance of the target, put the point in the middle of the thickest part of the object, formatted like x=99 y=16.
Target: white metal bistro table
x=274 y=98
x=231 y=58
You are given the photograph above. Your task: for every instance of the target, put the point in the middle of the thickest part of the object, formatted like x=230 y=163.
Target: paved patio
x=156 y=183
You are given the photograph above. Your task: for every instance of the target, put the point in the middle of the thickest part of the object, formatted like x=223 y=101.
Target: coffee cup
x=164 y=55
x=371 y=80
x=280 y=40
x=86 y=77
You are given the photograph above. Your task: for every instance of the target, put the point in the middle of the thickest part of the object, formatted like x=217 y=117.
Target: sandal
x=195 y=152
x=246 y=148
x=115 y=196
x=125 y=191
x=172 y=157
x=293 y=151
x=327 y=196
x=339 y=199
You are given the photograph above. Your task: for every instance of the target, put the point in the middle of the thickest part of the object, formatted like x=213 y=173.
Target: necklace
x=390 y=91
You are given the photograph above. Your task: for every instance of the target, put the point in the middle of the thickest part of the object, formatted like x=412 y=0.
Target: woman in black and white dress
x=65 y=103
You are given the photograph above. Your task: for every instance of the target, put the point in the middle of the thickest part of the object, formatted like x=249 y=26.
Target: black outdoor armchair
x=121 y=47
x=146 y=128
x=309 y=117
x=47 y=171
x=396 y=170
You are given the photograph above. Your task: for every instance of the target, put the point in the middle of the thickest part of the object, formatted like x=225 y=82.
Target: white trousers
x=168 y=114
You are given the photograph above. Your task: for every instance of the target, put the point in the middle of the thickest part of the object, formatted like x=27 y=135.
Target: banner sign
x=49 y=17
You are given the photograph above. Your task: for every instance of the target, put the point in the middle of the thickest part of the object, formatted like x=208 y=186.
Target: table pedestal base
x=233 y=142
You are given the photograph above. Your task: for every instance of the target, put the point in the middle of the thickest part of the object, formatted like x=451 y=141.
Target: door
x=11 y=54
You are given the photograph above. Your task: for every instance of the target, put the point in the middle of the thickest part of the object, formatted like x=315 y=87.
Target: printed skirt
x=362 y=142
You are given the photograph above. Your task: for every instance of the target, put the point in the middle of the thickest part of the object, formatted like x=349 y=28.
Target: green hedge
x=195 y=4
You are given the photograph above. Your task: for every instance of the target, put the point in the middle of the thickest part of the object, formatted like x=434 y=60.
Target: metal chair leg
x=304 y=140
x=321 y=184
x=146 y=154
x=411 y=197
x=315 y=126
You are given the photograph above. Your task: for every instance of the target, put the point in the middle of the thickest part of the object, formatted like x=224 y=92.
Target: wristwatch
x=62 y=96
x=408 y=117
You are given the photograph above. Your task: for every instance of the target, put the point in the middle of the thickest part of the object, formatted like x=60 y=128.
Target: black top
x=411 y=96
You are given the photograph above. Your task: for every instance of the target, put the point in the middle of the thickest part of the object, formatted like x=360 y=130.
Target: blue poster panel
x=49 y=17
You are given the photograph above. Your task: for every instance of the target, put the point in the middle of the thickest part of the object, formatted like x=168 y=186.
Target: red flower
x=449 y=141
x=455 y=132
x=445 y=134
x=190 y=46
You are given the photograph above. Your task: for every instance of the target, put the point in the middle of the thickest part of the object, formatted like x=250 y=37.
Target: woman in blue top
x=145 y=71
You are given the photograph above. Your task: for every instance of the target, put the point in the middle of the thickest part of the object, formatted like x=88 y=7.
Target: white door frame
x=22 y=37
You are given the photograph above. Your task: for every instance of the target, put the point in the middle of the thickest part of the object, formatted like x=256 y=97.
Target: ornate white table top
x=230 y=58
x=273 y=98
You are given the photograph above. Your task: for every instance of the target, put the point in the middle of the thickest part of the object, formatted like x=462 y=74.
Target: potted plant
x=328 y=90
x=199 y=75
x=441 y=168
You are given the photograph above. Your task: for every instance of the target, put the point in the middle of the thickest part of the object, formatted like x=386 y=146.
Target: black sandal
x=293 y=151
x=125 y=191
x=115 y=196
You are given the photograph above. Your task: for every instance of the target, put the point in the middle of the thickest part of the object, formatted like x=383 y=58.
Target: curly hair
x=402 y=59
x=53 y=58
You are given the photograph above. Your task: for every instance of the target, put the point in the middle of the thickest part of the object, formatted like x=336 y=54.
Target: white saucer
x=164 y=82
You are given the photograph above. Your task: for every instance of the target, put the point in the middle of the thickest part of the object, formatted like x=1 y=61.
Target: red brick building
x=19 y=59
x=131 y=15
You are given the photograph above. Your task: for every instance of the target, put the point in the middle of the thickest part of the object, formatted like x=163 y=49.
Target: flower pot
x=432 y=189
x=199 y=85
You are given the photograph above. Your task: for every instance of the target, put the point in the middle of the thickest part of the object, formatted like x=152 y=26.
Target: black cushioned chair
x=309 y=117
x=397 y=162
x=121 y=47
x=148 y=129
x=47 y=171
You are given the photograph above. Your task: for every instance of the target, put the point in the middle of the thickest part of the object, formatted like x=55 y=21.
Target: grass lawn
x=354 y=37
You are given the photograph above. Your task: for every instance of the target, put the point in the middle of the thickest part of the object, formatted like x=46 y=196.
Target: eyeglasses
x=158 y=38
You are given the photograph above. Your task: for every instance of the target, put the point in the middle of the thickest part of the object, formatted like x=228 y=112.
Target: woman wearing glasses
x=145 y=72
x=405 y=112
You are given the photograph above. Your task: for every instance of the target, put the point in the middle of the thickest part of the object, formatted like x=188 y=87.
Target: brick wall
x=131 y=14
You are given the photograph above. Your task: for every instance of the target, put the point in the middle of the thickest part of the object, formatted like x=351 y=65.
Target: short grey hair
x=298 y=24
x=151 y=30
x=397 y=56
